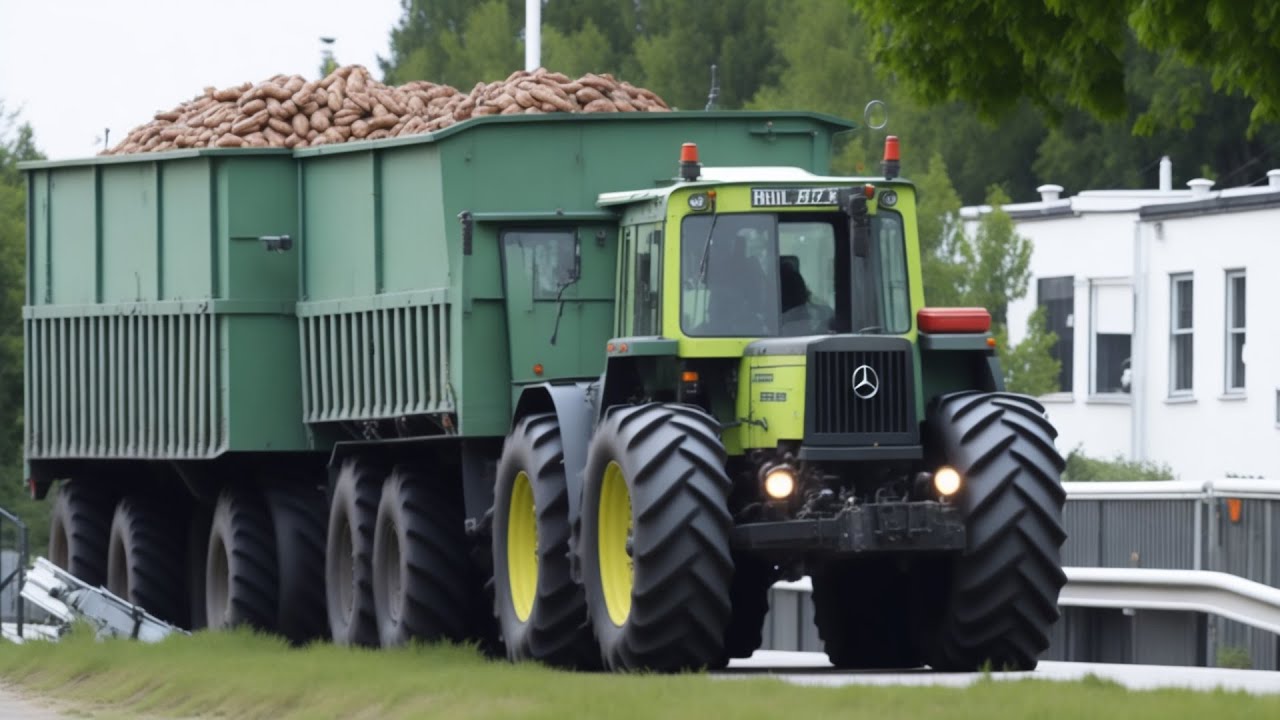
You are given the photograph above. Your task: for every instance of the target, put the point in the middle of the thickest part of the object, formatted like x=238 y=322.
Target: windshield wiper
x=706 y=252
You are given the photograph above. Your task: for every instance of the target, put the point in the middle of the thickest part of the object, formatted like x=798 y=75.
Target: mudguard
x=574 y=406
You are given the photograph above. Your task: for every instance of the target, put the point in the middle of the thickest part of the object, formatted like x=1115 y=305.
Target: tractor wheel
x=240 y=566
x=653 y=539
x=144 y=560
x=862 y=612
x=542 y=612
x=1003 y=599
x=422 y=581
x=353 y=511
x=298 y=515
x=78 y=530
x=752 y=579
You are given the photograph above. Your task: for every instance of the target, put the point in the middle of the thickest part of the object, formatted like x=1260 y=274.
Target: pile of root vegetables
x=289 y=111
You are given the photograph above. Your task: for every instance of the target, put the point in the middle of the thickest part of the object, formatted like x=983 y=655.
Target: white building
x=1159 y=299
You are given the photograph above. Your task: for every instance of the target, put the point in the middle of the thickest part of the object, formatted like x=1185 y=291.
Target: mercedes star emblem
x=865 y=382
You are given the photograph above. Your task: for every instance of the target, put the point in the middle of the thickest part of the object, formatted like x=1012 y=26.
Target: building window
x=1058 y=298
x=1181 y=302
x=1111 y=307
x=1235 y=331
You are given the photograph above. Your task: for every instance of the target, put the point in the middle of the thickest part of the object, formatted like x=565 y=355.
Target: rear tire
x=79 y=526
x=353 y=512
x=862 y=611
x=1003 y=600
x=298 y=515
x=654 y=538
x=240 y=567
x=422 y=579
x=542 y=612
x=144 y=560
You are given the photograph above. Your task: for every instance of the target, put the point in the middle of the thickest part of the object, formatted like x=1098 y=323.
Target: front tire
x=654 y=539
x=1003 y=600
x=542 y=612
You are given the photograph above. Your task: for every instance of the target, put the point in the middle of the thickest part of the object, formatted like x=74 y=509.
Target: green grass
x=239 y=675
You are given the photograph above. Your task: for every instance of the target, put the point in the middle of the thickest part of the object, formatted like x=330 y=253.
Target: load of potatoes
x=289 y=111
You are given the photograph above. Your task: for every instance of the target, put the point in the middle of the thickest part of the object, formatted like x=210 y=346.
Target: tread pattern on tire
x=673 y=461
x=298 y=516
x=242 y=521
x=438 y=591
x=149 y=544
x=354 y=504
x=1004 y=597
x=82 y=514
x=557 y=631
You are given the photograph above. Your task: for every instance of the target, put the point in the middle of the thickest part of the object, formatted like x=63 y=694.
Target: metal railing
x=16 y=578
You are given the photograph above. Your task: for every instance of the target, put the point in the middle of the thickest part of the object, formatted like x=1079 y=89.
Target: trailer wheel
x=1003 y=600
x=197 y=553
x=542 y=612
x=240 y=565
x=298 y=515
x=653 y=540
x=79 y=526
x=862 y=611
x=144 y=560
x=353 y=511
x=422 y=580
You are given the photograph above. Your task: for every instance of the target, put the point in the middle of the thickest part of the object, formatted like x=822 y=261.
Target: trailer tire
x=1003 y=597
x=531 y=496
x=240 y=565
x=298 y=515
x=653 y=538
x=422 y=580
x=353 y=512
x=863 y=616
x=144 y=560
x=197 y=555
x=79 y=526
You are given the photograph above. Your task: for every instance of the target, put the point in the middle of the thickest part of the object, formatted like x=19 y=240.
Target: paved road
x=18 y=707
x=813 y=669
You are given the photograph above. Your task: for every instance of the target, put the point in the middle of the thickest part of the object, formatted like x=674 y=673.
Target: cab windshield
x=772 y=275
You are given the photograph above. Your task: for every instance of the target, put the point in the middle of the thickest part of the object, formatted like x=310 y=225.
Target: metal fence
x=1228 y=525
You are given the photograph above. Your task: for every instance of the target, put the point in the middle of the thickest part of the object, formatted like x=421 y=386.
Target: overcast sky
x=75 y=67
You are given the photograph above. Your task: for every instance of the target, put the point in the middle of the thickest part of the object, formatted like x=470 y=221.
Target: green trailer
x=529 y=380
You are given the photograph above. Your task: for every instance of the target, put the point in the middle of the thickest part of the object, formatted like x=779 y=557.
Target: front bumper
x=870 y=528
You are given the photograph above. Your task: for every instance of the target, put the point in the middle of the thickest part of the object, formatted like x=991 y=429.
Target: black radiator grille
x=838 y=410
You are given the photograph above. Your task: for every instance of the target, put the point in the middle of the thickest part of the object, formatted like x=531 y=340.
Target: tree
x=328 y=63
x=1062 y=55
x=17 y=143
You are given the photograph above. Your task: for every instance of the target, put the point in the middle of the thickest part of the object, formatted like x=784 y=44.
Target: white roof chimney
x=1049 y=193
x=1166 y=174
x=1273 y=178
x=1200 y=187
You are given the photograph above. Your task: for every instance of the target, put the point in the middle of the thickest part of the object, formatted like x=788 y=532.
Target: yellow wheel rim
x=617 y=572
x=522 y=547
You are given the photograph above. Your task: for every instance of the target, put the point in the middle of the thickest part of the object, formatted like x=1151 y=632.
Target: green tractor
x=779 y=403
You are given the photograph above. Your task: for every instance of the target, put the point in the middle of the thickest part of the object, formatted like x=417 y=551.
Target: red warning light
x=891 y=149
x=689 y=153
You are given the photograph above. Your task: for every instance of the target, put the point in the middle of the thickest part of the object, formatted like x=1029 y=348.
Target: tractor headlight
x=780 y=482
x=946 y=481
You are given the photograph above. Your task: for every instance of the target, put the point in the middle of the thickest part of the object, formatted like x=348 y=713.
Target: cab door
x=558 y=285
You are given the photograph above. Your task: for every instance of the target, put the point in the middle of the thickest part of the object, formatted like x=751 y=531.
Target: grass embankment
x=245 y=676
